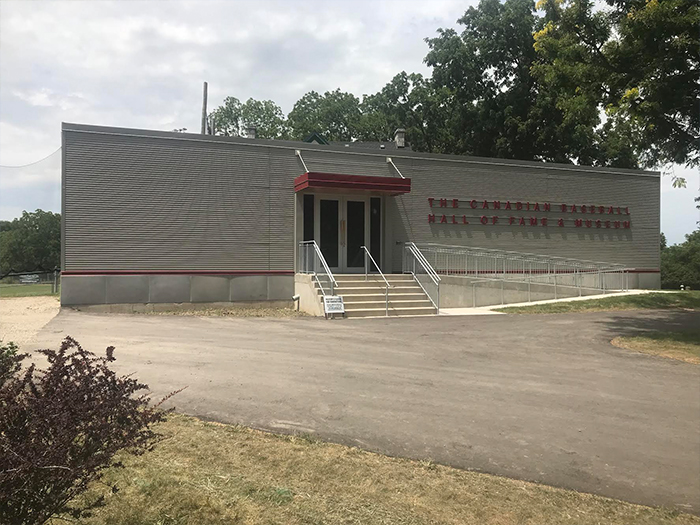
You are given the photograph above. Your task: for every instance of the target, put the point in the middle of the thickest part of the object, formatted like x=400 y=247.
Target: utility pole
x=204 y=109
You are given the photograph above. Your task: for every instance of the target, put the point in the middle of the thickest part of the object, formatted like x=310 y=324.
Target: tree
x=335 y=115
x=680 y=263
x=412 y=102
x=31 y=242
x=662 y=241
x=636 y=62
x=232 y=118
x=485 y=70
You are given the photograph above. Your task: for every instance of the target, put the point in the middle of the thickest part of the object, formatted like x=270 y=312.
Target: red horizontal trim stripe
x=177 y=272
x=390 y=185
x=544 y=272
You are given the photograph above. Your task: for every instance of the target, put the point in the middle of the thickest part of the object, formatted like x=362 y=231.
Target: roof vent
x=251 y=131
x=400 y=138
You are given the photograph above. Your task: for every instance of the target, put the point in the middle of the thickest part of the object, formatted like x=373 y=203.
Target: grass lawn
x=687 y=300
x=675 y=345
x=25 y=290
x=207 y=473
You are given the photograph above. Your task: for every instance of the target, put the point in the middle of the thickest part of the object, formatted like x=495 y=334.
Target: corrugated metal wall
x=170 y=203
x=155 y=204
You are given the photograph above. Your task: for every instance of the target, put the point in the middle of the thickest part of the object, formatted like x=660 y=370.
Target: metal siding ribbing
x=150 y=204
x=637 y=247
x=162 y=201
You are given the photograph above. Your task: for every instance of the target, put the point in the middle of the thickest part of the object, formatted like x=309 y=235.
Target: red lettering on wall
x=601 y=209
x=496 y=205
x=511 y=220
x=610 y=210
x=561 y=222
x=443 y=219
x=617 y=224
x=518 y=205
x=507 y=205
x=543 y=221
x=547 y=206
x=598 y=223
x=583 y=209
x=563 y=208
x=522 y=221
x=627 y=210
x=484 y=219
x=472 y=204
x=537 y=206
x=618 y=210
x=626 y=224
x=455 y=203
x=494 y=219
x=591 y=209
x=578 y=223
x=485 y=205
x=589 y=223
x=443 y=203
x=431 y=218
x=533 y=221
x=573 y=208
x=464 y=219
x=607 y=224
x=528 y=206
x=430 y=201
x=454 y=219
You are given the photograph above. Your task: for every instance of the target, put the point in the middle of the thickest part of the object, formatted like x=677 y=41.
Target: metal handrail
x=321 y=258
x=375 y=265
x=386 y=290
x=429 y=271
x=424 y=262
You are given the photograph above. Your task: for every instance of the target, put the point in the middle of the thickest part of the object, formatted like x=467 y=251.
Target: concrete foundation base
x=80 y=290
x=140 y=308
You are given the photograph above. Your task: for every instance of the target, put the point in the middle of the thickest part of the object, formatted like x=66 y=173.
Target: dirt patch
x=21 y=318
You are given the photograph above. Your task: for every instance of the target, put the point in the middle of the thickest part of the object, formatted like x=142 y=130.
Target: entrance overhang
x=336 y=181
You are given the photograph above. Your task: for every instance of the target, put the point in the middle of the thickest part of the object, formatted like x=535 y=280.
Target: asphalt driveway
x=543 y=398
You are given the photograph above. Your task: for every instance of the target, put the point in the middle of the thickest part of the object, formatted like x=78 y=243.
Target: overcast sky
x=141 y=65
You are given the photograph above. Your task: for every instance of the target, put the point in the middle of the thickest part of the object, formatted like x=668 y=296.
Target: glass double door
x=342 y=228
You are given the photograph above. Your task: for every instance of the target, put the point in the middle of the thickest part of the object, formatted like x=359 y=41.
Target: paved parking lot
x=543 y=398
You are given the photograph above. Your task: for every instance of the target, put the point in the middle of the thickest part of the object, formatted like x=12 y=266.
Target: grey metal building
x=164 y=217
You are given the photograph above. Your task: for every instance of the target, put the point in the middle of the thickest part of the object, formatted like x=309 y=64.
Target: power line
x=32 y=163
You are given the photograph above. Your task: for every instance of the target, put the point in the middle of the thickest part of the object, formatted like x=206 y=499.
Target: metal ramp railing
x=415 y=263
x=485 y=264
x=311 y=261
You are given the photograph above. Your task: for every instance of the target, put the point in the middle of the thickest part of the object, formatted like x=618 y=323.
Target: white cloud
x=141 y=64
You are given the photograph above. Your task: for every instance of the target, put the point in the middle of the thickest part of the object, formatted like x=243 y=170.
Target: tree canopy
x=31 y=242
x=564 y=80
x=680 y=263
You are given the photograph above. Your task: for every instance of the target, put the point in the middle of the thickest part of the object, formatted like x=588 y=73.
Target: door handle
x=342 y=232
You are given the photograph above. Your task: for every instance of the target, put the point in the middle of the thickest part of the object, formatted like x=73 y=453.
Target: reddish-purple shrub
x=61 y=427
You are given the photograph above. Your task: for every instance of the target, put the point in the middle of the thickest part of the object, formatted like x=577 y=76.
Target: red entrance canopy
x=335 y=181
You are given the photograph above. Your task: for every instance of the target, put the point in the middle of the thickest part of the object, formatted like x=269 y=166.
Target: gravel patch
x=21 y=318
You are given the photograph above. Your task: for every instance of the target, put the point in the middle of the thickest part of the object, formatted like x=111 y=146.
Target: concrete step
x=379 y=296
x=364 y=305
x=381 y=312
x=358 y=290
x=391 y=277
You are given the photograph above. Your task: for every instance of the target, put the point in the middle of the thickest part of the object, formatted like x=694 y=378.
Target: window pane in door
x=375 y=229
x=329 y=231
x=356 y=234
x=308 y=217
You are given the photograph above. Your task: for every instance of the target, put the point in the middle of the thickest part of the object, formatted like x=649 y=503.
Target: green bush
x=680 y=263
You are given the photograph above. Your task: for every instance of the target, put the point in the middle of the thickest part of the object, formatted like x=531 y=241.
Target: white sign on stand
x=333 y=304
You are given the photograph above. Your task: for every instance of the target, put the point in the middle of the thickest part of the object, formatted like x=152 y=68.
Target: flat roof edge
x=293 y=145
